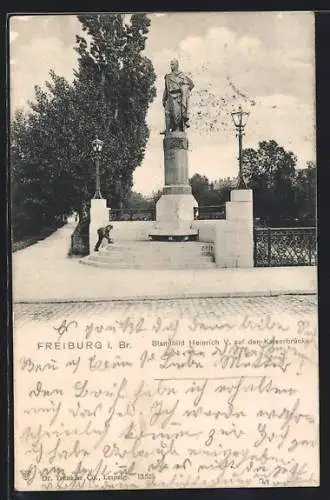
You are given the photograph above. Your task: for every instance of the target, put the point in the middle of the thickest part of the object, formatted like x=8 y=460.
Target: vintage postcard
x=164 y=260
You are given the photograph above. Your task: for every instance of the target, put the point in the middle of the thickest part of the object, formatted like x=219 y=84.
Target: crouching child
x=103 y=233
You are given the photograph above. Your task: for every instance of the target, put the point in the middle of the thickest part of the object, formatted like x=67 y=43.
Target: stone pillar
x=175 y=208
x=234 y=238
x=99 y=216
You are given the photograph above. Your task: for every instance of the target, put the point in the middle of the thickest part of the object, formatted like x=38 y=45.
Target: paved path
x=296 y=305
x=43 y=272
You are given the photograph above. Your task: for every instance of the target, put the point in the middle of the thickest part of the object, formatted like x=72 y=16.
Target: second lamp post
x=240 y=118
x=97 y=148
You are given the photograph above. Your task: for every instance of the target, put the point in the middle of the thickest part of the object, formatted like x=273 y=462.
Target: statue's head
x=174 y=65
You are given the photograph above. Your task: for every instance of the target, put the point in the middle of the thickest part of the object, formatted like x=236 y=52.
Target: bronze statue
x=176 y=99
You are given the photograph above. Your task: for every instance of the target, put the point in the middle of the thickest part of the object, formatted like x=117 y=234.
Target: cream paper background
x=166 y=400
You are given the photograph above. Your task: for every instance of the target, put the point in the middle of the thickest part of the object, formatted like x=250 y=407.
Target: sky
x=263 y=61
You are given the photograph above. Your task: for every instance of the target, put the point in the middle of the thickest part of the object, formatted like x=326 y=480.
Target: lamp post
x=97 y=145
x=240 y=118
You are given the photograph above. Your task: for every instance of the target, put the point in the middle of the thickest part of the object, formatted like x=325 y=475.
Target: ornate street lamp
x=240 y=118
x=97 y=145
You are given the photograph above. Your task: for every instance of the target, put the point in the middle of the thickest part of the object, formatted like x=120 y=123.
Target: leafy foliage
x=209 y=193
x=305 y=193
x=283 y=195
x=52 y=164
x=139 y=202
x=280 y=198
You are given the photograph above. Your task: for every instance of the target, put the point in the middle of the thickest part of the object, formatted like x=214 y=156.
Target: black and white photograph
x=164 y=250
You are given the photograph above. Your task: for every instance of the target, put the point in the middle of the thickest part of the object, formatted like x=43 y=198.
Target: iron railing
x=289 y=246
x=200 y=213
x=210 y=212
x=130 y=214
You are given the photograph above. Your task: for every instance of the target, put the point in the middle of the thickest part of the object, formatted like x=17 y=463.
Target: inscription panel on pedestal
x=176 y=143
x=169 y=155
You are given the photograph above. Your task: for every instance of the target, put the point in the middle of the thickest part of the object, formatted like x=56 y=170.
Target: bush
x=24 y=239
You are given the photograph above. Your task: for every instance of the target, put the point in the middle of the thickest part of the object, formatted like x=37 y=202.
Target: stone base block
x=241 y=195
x=175 y=208
x=174 y=216
x=234 y=247
x=99 y=211
x=239 y=211
x=234 y=238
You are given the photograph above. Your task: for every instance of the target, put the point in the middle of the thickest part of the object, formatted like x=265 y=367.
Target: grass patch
x=31 y=240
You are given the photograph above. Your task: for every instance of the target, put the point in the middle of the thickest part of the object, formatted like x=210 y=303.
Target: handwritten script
x=151 y=401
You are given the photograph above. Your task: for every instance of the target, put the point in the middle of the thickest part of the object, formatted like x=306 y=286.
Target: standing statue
x=176 y=99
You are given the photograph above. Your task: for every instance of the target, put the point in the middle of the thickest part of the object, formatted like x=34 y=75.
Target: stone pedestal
x=175 y=208
x=99 y=216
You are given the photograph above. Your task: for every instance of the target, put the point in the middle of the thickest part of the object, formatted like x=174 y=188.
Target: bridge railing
x=285 y=246
x=210 y=212
x=130 y=214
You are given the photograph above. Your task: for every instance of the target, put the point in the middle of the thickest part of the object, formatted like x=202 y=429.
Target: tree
x=200 y=186
x=115 y=85
x=224 y=187
x=109 y=97
x=305 y=194
x=137 y=201
x=210 y=193
x=270 y=172
x=33 y=201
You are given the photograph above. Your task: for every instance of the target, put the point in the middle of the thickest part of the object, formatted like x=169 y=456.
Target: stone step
x=154 y=255
x=156 y=261
x=145 y=252
x=159 y=247
x=164 y=244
